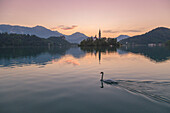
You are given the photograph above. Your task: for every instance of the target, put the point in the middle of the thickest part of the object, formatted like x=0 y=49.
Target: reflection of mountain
x=10 y=57
x=40 y=56
x=76 y=52
x=158 y=54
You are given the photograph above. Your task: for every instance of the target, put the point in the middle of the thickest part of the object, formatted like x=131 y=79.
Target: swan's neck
x=102 y=77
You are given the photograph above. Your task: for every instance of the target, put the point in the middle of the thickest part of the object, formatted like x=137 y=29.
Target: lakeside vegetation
x=23 y=40
x=100 y=42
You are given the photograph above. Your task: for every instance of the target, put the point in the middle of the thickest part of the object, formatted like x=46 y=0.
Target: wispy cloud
x=63 y=27
x=112 y=31
x=132 y=31
x=72 y=62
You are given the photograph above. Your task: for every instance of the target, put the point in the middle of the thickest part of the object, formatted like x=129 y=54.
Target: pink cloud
x=63 y=27
x=72 y=62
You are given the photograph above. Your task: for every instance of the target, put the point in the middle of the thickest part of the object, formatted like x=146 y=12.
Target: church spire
x=99 y=34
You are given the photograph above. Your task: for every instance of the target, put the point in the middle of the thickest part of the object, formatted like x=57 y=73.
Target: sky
x=113 y=17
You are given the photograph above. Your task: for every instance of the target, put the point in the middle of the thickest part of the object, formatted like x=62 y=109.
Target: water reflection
x=156 y=54
x=72 y=78
x=41 y=56
x=99 y=50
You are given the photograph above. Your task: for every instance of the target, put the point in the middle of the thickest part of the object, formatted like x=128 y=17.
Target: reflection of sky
x=76 y=52
x=43 y=58
x=72 y=55
x=70 y=78
x=116 y=65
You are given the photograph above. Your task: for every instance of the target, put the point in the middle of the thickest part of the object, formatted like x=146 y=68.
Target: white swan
x=108 y=81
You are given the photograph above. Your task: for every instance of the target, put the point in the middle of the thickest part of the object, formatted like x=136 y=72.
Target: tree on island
x=100 y=42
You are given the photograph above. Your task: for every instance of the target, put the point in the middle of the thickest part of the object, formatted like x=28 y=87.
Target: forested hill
x=158 y=35
x=41 y=32
x=18 y=40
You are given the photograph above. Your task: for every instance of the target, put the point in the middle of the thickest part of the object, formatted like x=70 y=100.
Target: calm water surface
x=67 y=80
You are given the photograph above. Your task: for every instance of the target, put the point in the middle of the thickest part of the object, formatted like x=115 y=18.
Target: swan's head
x=102 y=73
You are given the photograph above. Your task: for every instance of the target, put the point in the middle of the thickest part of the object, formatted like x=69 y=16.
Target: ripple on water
x=159 y=91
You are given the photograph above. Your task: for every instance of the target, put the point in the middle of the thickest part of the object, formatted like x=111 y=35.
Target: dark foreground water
x=67 y=80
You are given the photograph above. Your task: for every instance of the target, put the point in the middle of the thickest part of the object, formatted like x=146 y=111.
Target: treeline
x=19 y=40
x=100 y=42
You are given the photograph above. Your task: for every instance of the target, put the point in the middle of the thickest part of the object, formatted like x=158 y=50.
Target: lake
x=67 y=80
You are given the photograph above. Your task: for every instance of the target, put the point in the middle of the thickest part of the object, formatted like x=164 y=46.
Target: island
x=97 y=42
x=100 y=42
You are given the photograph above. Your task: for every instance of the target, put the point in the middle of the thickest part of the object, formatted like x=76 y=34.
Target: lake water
x=67 y=80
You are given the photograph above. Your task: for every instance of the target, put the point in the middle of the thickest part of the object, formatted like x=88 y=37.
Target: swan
x=108 y=81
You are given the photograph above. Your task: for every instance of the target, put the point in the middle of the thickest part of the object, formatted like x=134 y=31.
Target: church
x=99 y=35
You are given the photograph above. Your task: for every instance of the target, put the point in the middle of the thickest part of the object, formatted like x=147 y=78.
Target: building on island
x=99 y=34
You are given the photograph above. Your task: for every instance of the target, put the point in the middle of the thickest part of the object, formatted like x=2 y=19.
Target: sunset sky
x=113 y=17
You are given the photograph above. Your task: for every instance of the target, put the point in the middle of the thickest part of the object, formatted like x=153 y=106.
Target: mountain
x=42 y=32
x=156 y=36
x=37 y=30
x=76 y=37
x=121 y=37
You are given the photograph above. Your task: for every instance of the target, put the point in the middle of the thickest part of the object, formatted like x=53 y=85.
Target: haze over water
x=42 y=80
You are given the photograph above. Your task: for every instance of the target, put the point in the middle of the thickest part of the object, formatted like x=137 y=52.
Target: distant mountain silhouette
x=76 y=37
x=37 y=30
x=121 y=37
x=41 y=32
x=158 y=35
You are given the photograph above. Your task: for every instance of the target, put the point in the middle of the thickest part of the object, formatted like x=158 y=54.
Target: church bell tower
x=99 y=34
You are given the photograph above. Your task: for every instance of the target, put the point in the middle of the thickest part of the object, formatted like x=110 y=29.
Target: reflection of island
x=98 y=50
x=39 y=55
x=157 y=54
x=10 y=57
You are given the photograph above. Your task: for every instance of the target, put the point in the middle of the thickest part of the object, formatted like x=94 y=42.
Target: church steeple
x=99 y=34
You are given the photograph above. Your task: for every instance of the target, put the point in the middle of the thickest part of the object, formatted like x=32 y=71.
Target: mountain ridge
x=121 y=37
x=154 y=36
x=41 y=31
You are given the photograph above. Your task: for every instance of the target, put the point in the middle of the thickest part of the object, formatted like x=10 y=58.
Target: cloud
x=63 y=27
x=72 y=62
x=112 y=31
x=131 y=31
